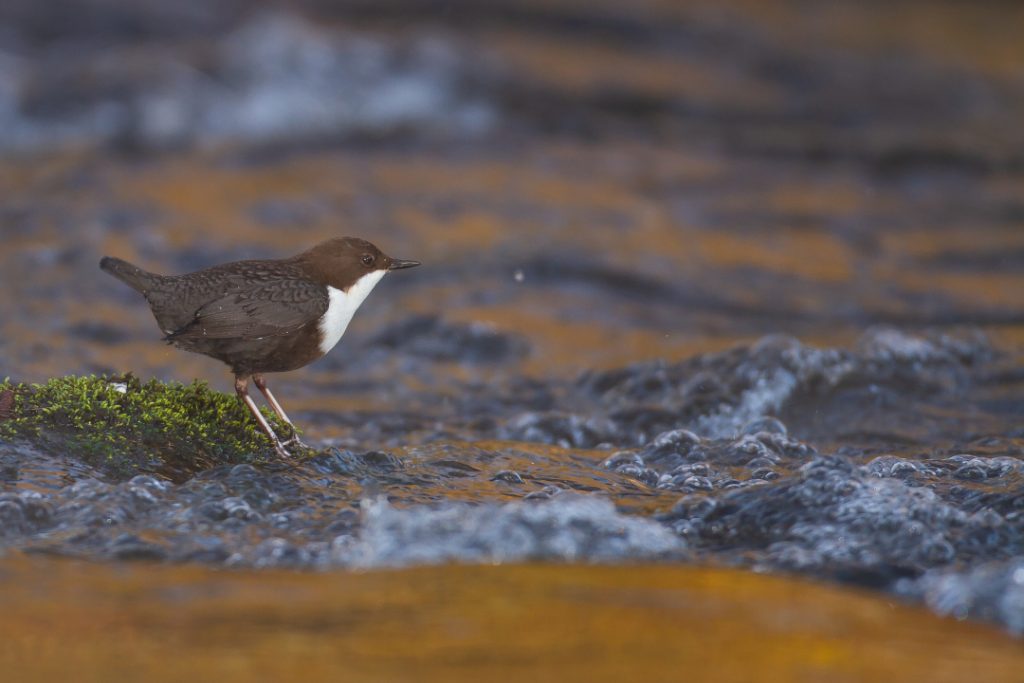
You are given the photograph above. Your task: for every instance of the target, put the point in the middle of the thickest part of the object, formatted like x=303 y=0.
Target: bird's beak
x=398 y=264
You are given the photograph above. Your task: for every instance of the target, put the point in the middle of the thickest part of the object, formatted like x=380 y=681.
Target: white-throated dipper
x=263 y=316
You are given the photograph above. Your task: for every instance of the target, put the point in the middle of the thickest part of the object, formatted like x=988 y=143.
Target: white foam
x=568 y=528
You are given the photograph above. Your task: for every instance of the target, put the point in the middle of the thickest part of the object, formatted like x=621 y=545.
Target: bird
x=263 y=316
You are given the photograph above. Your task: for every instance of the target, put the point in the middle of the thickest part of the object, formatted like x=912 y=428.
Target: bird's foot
x=293 y=439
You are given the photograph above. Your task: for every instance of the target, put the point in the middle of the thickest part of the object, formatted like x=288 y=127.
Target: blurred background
x=613 y=182
x=794 y=229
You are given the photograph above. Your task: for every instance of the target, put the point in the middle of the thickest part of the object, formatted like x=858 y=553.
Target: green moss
x=126 y=426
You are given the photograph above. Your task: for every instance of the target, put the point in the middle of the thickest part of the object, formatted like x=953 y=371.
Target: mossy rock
x=125 y=426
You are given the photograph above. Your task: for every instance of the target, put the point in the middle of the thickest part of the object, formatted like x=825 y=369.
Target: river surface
x=706 y=290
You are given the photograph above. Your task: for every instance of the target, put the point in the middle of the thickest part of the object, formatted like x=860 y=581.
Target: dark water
x=735 y=286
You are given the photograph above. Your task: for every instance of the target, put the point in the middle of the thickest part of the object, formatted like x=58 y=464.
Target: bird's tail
x=138 y=279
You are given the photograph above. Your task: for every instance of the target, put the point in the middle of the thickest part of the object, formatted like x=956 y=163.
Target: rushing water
x=698 y=287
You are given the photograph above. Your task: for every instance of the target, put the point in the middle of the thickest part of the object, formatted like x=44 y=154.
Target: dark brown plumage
x=263 y=316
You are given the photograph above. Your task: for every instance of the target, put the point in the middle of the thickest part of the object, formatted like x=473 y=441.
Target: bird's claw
x=294 y=440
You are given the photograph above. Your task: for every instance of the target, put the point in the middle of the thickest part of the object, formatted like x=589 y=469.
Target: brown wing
x=264 y=310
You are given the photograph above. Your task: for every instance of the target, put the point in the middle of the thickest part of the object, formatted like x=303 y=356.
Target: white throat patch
x=342 y=307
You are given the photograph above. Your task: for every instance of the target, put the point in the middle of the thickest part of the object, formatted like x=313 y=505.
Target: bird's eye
x=367 y=259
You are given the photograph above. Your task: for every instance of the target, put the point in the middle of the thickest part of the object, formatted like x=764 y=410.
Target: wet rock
x=748 y=389
x=546 y=493
x=23 y=513
x=508 y=476
x=206 y=550
x=344 y=522
x=630 y=464
x=673 y=448
x=764 y=425
x=275 y=552
x=372 y=463
x=942 y=473
x=834 y=517
x=238 y=508
x=892 y=466
x=147 y=490
x=679 y=460
x=979 y=468
x=719 y=394
x=568 y=431
x=131 y=547
x=638 y=424
x=454 y=468
x=623 y=459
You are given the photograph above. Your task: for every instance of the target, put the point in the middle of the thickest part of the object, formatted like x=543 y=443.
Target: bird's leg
x=261 y=384
x=242 y=389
